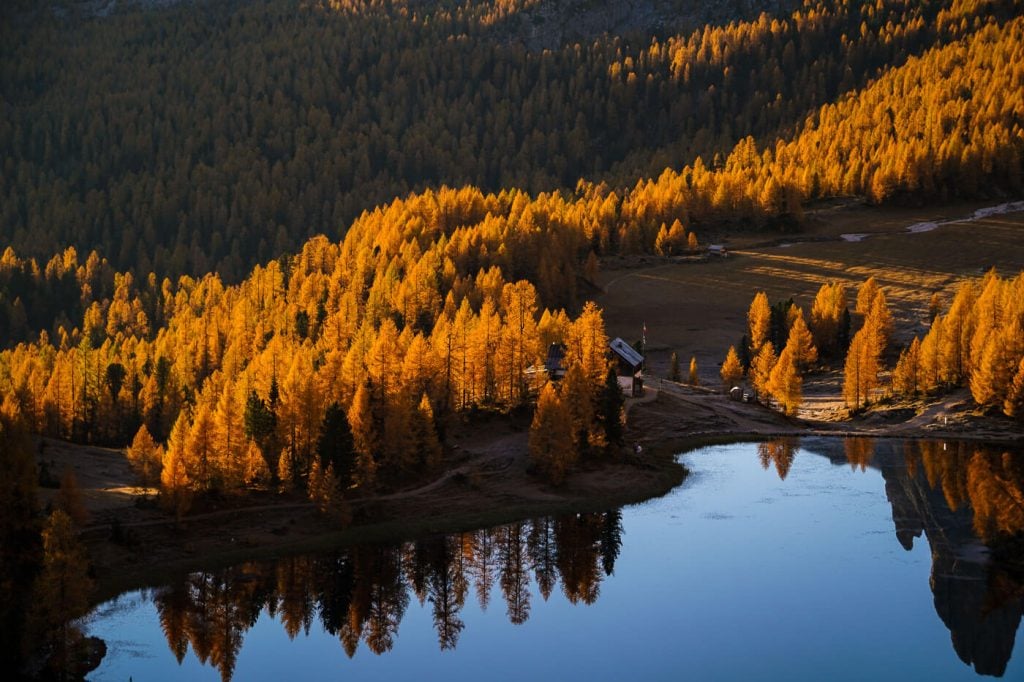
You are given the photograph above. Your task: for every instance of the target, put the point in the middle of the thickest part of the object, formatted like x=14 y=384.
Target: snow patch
x=980 y=214
x=926 y=226
x=929 y=225
x=1009 y=207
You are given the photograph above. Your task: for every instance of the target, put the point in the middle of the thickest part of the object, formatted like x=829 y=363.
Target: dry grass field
x=700 y=308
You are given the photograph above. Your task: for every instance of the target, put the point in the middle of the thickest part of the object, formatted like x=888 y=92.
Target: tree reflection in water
x=968 y=501
x=360 y=593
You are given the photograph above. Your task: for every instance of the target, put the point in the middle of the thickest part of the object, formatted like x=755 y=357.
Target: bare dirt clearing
x=700 y=308
x=104 y=476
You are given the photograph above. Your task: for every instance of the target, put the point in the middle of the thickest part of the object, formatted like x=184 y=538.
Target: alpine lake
x=791 y=559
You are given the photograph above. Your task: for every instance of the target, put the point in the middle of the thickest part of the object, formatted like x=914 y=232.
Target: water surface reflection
x=968 y=502
x=360 y=594
x=705 y=569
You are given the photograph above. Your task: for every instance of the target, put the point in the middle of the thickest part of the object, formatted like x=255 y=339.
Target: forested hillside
x=439 y=302
x=213 y=136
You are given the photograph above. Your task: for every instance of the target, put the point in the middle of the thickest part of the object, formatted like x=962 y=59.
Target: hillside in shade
x=212 y=136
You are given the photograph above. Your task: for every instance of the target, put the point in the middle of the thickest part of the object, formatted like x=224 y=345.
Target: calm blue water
x=737 y=574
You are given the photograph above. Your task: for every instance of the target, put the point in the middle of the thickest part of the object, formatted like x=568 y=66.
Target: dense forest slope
x=216 y=135
x=438 y=302
x=456 y=281
x=948 y=123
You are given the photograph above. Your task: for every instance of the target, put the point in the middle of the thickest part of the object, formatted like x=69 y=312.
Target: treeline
x=361 y=595
x=426 y=309
x=780 y=348
x=210 y=137
x=970 y=145
x=978 y=342
x=439 y=302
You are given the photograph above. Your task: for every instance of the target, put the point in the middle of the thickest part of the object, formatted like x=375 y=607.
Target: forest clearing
x=701 y=309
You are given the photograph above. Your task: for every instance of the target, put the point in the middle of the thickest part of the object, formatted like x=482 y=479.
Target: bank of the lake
x=487 y=483
x=480 y=491
x=863 y=558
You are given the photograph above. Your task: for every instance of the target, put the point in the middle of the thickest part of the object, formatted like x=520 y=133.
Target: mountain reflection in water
x=966 y=500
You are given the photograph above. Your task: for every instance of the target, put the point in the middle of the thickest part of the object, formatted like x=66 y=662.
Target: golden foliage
x=732 y=370
x=860 y=371
x=827 y=316
x=785 y=384
x=800 y=341
x=552 y=449
x=761 y=369
x=759 y=318
x=146 y=456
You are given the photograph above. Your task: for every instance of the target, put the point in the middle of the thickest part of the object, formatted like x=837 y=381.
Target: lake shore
x=486 y=483
x=677 y=417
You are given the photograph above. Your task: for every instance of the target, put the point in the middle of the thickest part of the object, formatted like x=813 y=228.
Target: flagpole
x=643 y=349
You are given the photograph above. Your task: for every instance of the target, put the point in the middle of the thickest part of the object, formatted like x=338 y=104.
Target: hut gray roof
x=626 y=352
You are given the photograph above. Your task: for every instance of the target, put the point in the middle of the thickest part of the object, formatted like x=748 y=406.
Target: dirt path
x=645 y=273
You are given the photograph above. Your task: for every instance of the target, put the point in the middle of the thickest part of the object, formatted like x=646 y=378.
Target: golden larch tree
x=396 y=442
x=577 y=396
x=1013 y=406
x=827 y=316
x=860 y=371
x=785 y=384
x=145 y=456
x=761 y=369
x=286 y=470
x=879 y=318
x=954 y=350
x=759 y=321
x=229 y=437
x=364 y=439
x=866 y=295
x=200 y=450
x=800 y=341
x=993 y=375
x=587 y=344
x=930 y=374
x=551 y=439
x=732 y=369
x=906 y=376
x=520 y=338
x=315 y=484
x=175 y=492
x=256 y=469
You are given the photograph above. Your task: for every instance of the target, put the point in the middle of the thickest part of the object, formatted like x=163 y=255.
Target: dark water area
x=794 y=559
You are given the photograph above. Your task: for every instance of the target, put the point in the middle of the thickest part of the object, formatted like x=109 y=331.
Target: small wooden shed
x=628 y=366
